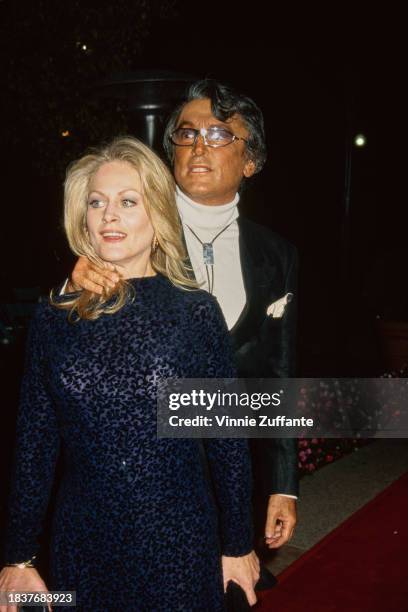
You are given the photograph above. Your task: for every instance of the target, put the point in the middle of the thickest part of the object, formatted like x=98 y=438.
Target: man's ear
x=249 y=168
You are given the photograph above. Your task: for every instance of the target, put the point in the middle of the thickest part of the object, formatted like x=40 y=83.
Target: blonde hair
x=159 y=200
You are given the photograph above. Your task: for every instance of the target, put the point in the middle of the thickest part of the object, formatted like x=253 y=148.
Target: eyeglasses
x=213 y=137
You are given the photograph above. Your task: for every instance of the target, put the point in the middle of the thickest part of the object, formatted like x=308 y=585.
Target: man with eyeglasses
x=215 y=140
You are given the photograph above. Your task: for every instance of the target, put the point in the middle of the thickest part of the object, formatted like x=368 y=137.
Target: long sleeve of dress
x=228 y=459
x=36 y=451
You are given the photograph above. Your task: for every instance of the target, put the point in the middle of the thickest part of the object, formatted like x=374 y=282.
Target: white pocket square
x=277 y=309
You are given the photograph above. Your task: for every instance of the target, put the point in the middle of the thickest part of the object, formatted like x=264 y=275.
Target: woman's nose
x=110 y=213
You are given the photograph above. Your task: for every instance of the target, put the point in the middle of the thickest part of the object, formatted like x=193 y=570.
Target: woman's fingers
x=248 y=589
x=244 y=571
x=250 y=594
x=18 y=579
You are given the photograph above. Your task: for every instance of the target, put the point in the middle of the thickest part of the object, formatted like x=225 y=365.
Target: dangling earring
x=155 y=244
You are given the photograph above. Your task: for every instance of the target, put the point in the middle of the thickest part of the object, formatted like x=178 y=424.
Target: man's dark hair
x=225 y=102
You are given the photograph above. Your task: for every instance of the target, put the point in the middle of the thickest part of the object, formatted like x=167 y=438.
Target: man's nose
x=199 y=146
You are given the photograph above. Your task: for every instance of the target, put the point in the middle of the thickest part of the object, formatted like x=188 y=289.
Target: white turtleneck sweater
x=207 y=221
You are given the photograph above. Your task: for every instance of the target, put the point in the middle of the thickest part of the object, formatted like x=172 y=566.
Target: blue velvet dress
x=136 y=526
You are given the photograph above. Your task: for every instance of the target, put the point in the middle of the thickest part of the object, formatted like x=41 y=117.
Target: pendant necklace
x=208 y=255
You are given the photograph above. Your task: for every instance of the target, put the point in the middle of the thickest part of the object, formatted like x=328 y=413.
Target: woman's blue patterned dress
x=135 y=526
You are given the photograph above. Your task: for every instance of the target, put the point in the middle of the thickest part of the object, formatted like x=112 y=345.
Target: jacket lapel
x=251 y=265
x=188 y=263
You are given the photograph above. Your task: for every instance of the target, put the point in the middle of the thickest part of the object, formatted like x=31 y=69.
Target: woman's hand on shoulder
x=20 y=579
x=244 y=571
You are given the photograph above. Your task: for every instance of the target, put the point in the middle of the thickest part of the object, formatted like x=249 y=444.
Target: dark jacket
x=264 y=347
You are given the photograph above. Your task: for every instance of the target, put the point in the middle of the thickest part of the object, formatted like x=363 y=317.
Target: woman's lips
x=112 y=236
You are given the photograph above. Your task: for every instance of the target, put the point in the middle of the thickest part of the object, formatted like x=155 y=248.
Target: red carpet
x=361 y=566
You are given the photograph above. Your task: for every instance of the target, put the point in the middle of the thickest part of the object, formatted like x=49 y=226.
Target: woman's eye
x=95 y=203
x=128 y=203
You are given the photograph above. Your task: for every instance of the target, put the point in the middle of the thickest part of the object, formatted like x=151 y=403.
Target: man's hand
x=87 y=275
x=244 y=571
x=280 y=520
x=25 y=579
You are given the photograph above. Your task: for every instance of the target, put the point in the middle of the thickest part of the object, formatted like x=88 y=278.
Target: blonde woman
x=135 y=527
